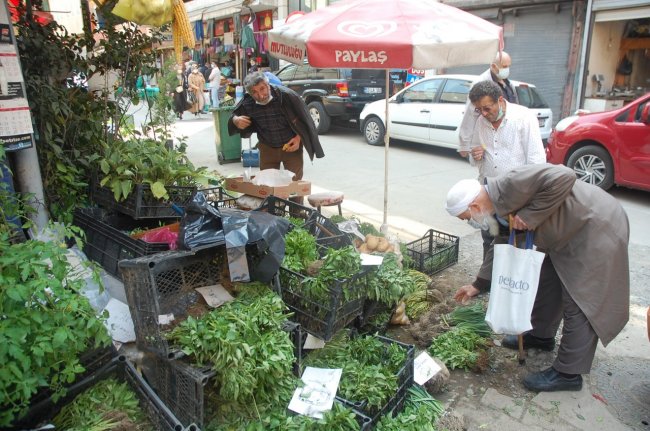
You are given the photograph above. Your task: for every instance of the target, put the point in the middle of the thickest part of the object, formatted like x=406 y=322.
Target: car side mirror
x=645 y=114
x=398 y=99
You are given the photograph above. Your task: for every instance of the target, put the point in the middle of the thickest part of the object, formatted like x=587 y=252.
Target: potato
x=382 y=245
x=372 y=242
x=390 y=249
x=357 y=243
x=363 y=248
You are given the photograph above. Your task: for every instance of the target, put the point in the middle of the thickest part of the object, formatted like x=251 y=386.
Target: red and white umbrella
x=386 y=34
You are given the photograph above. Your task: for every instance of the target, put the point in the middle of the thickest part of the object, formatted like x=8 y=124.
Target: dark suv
x=334 y=94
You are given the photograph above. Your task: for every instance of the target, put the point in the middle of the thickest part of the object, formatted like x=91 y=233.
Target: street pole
x=28 y=176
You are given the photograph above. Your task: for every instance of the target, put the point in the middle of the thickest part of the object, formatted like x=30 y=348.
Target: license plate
x=542 y=121
x=372 y=90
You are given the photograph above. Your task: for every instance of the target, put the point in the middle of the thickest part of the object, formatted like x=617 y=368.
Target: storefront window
x=300 y=5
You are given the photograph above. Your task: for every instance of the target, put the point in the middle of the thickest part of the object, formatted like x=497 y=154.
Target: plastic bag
x=201 y=224
x=254 y=239
x=247 y=202
x=164 y=234
x=273 y=178
x=515 y=279
x=149 y=12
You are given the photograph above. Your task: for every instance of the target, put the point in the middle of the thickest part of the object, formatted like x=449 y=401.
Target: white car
x=430 y=111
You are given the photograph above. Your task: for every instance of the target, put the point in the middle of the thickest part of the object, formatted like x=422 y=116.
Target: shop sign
x=16 y=130
x=265 y=20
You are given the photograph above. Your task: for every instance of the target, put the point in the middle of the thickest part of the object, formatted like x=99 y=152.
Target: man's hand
x=292 y=145
x=241 y=122
x=465 y=293
x=477 y=153
x=519 y=224
x=463 y=153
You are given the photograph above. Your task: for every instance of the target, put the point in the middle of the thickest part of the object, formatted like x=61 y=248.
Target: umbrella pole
x=384 y=226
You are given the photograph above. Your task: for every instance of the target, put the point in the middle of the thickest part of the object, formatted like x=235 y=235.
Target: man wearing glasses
x=506 y=135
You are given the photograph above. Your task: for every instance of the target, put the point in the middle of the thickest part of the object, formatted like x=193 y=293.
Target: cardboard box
x=296 y=188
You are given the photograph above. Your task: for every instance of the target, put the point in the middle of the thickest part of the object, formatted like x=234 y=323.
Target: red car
x=606 y=148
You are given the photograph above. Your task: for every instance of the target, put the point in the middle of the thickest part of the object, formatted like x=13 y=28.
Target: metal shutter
x=538 y=39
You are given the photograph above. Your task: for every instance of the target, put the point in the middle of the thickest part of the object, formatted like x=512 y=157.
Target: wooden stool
x=326 y=199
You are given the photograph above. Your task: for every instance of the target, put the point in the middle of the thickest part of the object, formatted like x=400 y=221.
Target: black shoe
x=551 y=380
x=511 y=342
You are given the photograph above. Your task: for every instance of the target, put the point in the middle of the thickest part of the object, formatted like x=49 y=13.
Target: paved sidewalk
x=546 y=411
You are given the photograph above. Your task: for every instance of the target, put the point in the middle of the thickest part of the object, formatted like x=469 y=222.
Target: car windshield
x=367 y=73
x=530 y=97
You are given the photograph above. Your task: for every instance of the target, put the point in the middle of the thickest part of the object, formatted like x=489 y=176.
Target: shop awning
x=623 y=14
x=215 y=9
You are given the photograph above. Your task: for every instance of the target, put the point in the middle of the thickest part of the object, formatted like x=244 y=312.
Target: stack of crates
x=107 y=227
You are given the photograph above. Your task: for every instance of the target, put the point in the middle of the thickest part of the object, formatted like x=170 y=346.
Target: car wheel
x=322 y=121
x=373 y=131
x=593 y=165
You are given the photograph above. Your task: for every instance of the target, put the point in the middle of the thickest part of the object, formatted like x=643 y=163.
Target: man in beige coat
x=585 y=278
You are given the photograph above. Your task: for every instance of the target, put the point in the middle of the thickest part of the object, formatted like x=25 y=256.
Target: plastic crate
x=323 y=319
x=163 y=284
x=92 y=360
x=371 y=309
x=219 y=198
x=298 y=338
x=286 y=208
x=141 y=203
x=107 y=243
x=404 y=381
x=433 y=252
x=181 y=385
x=326 y=231
x=121 y=369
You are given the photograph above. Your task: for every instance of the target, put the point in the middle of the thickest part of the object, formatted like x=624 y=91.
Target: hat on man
x=461 y=195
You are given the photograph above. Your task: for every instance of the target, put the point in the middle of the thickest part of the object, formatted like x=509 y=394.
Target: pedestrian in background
x=498 y=72
x=214 y=81
x=282 y=122
x=585 y=279
x=252 y=66
x=195 y=92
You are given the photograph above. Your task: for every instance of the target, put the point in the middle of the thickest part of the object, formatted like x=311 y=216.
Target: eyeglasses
x=485 y=109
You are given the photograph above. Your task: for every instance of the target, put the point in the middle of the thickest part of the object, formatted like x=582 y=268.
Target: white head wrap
x=461 y=195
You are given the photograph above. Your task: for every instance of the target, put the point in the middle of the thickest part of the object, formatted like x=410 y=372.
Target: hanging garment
x=198 y=30
x=247 y=38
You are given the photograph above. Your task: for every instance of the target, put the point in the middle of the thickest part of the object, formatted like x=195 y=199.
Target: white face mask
x=482 y=224
x=504 y=73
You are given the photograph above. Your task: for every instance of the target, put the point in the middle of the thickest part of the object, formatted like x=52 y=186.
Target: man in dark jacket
x=282 y=122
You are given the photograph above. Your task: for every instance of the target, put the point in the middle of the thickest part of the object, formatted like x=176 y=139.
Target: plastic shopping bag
x=515 y=278
x=152 y=12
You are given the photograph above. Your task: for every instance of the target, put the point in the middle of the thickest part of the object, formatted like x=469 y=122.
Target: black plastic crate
x=326 y=231
x=286 y=208
x=106 y=241
x=164 y=284
x=371 y=309
x=219 y=198
x=404 y=381
x=141 y=203
x=91 y=360
x=181 y=385
x=323 y=319
x=121 y=369
x=433 y=252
